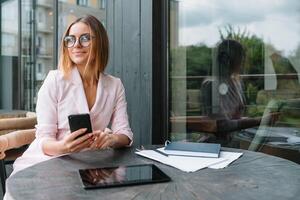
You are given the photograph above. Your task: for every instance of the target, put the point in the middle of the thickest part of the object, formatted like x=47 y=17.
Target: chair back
x=17 y=130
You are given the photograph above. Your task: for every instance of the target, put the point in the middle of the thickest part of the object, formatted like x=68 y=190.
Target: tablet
x=122 y=176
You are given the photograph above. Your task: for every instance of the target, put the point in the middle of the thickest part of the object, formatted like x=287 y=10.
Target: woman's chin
x=80 y=62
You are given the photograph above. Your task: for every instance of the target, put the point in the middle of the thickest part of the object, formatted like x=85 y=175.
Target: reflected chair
x=15 y=135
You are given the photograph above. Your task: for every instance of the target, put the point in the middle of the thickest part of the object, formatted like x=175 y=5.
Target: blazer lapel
x=101 y=97
x=79 y=95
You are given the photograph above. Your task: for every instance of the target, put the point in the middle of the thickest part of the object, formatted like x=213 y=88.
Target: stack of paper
x=191 y=164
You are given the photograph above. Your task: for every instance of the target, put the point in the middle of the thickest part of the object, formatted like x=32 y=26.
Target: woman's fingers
x=78 y=133
x=83 y=145
x=2 y=155
x=105 y=145
x=81 y=139
x=103 y=140
x=96 y=140
x=109 y=142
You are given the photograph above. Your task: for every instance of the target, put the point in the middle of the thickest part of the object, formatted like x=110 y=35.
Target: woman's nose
x=77 y=44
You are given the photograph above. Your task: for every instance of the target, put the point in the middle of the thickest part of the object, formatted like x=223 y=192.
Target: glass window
x=37 y=48
x=234 y=74
x=35 y=53
x=82 y=2
x=39 y=68
x=103 y=4
x=9 y=54
x=9 y=28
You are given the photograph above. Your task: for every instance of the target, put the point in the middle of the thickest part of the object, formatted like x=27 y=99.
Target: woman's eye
x=69 y=39
x=85 y=38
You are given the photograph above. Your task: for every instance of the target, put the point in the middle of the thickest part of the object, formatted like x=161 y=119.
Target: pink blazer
x=58 y=98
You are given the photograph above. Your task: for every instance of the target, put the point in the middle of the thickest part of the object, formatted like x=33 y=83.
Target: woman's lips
x=78 y=53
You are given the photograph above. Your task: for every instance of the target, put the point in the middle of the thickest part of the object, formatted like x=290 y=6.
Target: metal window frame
x=160 y=70
x=0 y=48
x=55 y=34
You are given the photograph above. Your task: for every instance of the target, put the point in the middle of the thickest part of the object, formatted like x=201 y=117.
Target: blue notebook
x=211 y=150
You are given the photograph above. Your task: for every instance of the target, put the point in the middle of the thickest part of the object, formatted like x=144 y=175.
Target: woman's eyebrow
x=79 y=35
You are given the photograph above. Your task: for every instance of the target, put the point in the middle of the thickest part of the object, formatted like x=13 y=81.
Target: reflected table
x=253 y=176
x=280 y=141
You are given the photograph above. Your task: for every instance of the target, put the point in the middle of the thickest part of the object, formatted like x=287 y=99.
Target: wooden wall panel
x=129 y=25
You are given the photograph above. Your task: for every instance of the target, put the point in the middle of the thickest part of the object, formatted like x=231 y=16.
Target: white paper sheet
x=191 y=164
x=184 y=163
x=230 y=157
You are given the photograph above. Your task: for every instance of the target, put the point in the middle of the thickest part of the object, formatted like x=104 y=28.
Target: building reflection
x=28 y=47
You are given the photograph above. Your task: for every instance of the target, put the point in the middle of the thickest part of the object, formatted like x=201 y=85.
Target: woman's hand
x=3 y=146
x=75 y=143
x=104 y=140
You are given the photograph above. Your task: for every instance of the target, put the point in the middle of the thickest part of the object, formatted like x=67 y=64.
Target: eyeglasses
x=84 y=40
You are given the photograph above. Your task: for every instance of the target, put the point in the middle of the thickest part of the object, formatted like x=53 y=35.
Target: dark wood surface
x=253 y=176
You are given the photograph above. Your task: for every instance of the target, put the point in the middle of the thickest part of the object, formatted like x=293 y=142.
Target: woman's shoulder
x=110 y=77
x=112 y=84
x=52 y=79
x=54 y=74
x=111 y=80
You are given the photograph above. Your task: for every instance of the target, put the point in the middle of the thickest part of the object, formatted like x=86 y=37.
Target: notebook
x=211 y=150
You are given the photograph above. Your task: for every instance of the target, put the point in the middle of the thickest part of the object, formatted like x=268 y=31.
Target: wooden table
x=253 y=176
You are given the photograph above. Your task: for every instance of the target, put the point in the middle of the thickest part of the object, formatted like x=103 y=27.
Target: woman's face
x=79 y=36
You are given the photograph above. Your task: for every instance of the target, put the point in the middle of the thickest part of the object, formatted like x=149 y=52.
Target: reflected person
x=227 y=105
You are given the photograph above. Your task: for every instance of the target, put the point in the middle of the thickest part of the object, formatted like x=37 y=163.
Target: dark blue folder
x=193 y=149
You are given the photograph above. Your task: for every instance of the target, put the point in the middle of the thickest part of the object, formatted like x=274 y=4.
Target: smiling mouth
x=78 y=53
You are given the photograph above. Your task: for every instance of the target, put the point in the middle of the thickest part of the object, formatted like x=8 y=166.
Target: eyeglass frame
x=78 y=39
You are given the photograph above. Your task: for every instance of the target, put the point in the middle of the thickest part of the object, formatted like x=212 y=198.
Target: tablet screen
x=121 y=176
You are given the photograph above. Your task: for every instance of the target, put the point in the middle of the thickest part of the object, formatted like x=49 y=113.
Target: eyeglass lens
x=84 y=40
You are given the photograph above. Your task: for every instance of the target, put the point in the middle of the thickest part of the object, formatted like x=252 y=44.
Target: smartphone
x=79 y=121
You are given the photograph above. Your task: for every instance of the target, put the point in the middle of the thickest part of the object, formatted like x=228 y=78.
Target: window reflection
x=9 y=53
x=256 y=108
x=9 y=28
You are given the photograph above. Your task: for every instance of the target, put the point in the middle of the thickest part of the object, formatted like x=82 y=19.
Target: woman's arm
x=119 y=120
x=121 y=134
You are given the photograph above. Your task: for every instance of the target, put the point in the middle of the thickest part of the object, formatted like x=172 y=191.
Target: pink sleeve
x=119 y=120
x=46 y=109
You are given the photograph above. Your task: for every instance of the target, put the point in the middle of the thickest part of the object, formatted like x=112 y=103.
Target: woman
x=231 y=101
x=227 y=104
x=79 y=86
